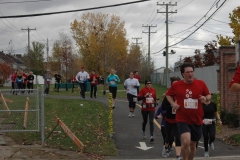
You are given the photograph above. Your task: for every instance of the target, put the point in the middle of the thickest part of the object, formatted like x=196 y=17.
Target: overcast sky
x=181 y=24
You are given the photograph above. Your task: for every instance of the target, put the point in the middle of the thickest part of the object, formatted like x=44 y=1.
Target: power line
x=24 y=1
x=195 y=29
x=219 y=21
x=69 y=11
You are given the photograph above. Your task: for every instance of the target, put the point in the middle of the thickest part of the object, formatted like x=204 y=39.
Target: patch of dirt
x=9 y=150
x=226 y=133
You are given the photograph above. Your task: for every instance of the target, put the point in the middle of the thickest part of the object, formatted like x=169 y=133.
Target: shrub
x=230 y=118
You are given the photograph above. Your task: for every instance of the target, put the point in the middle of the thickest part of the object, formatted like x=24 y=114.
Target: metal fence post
x=42 y=113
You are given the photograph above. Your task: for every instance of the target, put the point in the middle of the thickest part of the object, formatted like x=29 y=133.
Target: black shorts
x=113 y=90
x=195 y=130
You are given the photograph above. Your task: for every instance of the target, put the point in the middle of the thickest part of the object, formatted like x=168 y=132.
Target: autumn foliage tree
x=197 y=59
x=102 y=42
x=211 y=49
x=5 y=72
x=235 y=25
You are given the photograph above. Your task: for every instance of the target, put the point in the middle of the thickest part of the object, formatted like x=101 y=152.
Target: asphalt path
x=131 y=144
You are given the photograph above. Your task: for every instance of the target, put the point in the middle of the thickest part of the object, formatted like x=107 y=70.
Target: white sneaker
x=211 y=145
x=144 y=134
x=206 y=154
x=130 y=115
x=133 y=115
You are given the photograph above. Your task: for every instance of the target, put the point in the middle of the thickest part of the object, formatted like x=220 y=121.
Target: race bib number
x=173 y=111
x=149 y=100
x=134 y=99
x=30 y=81
x=112 y=82
x=48 y=79
x=190 y=103
x=207 y=121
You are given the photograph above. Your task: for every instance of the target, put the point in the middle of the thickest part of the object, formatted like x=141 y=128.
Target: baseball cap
x=148 y=82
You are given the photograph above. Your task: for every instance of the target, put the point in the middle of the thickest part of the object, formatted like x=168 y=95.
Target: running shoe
x=211 y=145
x=179 y=158
x=206 y=154
x=163 y=151
x=113 y=107
x=151 y=139
x=144 y=135
x=130 y=114
x=133 y=115
x=166 y=152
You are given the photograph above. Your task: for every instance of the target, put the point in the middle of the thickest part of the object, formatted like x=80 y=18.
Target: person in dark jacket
x=171 y=126
x=30 y=80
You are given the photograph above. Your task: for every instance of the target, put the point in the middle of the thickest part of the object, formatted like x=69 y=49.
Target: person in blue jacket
x=112 y=80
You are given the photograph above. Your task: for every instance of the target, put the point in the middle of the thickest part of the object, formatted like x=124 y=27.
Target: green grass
x=236 y=138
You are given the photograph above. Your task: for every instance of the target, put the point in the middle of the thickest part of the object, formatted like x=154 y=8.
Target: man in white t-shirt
x=131 y=85
x=82 y=78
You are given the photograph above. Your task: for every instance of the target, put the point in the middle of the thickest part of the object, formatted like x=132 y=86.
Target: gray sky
x=189 y=12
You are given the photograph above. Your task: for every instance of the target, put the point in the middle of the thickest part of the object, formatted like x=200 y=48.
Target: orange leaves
x=5 y=71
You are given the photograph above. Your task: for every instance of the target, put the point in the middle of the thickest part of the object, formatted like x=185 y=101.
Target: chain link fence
x=19 y=110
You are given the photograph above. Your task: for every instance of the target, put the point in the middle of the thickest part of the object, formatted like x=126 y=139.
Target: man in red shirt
x=189 y=94
x=234 y=85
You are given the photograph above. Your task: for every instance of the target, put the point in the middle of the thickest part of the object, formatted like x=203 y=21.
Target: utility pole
x=28 y=29
x=167 y=5
x=47 y=54
x=136 y=38
x=149 y=34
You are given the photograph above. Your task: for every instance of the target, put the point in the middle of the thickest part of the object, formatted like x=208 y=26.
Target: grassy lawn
x=236 y=138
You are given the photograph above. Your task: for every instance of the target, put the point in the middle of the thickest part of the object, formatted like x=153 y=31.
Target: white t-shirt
x=81 y=77
x=129 y=84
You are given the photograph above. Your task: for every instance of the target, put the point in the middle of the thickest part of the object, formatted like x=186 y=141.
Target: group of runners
x=187 y=112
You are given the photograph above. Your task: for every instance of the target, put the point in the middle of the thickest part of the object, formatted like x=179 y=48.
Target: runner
x=209 y=125
x=148 y=97
x=161 y=114
x=82 y=78
x=131 y=85
x=137 y=77
x=113 y=80
x=189 y=94
x=171 y=127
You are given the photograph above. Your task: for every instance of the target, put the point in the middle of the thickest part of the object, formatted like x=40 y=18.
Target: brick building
x=226 y=71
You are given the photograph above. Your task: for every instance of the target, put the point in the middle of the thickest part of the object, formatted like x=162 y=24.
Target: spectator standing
x=139 y=79
x=47 y=80
x=189 y=94
x=30 y=80
x=93 y=82
x=25 y=76
x=131 y=84
x=209 y=125
x=58 y=77
x=19 y=80
x=13 y=79
x=148 y=97
x=82 y=78
x=113 y=80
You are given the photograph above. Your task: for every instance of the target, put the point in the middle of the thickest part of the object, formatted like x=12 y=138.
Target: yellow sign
x=219 y=127
x=110 y=118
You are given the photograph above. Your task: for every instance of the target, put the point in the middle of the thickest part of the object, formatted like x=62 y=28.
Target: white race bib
x=30 y=81
x=149 y=100
x=207 y=121
x=48 y=79
x=112 y=82
x=190 y=103
x=173 y=111
x=134 y=99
